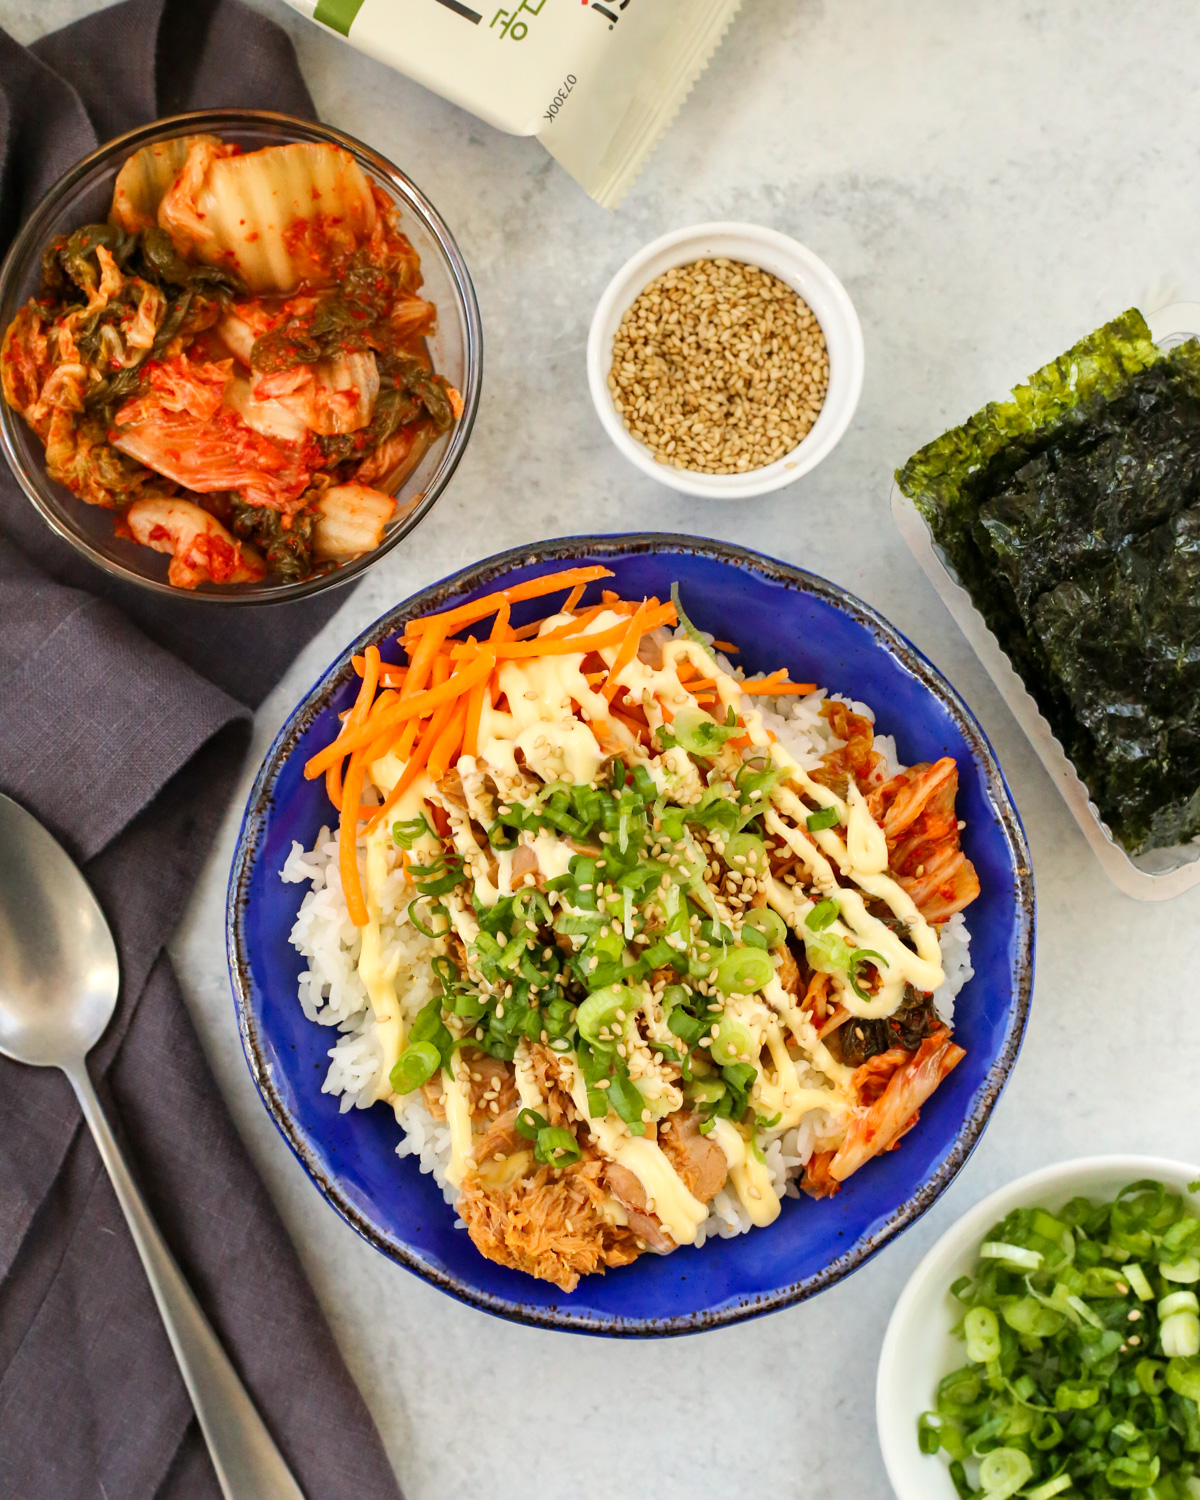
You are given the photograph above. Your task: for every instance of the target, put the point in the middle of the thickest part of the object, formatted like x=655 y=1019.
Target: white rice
x=332 y=994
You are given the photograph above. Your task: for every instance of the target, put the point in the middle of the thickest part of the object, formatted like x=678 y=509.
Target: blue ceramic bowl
x=780 y=616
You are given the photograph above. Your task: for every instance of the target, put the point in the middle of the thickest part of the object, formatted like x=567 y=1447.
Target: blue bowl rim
x=563 y=551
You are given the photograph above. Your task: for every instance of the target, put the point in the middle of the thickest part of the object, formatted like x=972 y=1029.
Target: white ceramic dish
x=919 y=1348
x=1156 y=875
x=793 y=264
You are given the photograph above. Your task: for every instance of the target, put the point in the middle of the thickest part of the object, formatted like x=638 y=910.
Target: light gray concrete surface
x=990 y=181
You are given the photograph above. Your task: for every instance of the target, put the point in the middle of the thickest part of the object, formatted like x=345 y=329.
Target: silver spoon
x=59 y=977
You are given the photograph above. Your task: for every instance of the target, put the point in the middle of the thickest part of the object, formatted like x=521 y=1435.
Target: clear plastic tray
x=1156 y=875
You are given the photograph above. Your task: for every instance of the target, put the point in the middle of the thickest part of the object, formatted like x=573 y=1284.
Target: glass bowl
x=83 y=196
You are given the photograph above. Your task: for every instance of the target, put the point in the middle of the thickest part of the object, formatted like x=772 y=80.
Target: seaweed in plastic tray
x=1047 y=506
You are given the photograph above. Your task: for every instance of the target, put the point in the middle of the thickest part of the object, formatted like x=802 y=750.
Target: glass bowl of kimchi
x=256 y=471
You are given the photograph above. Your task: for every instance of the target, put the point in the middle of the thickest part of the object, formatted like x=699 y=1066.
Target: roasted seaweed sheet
x=1072 y=516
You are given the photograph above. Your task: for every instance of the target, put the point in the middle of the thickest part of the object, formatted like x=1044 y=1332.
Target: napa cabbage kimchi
x=235 y=363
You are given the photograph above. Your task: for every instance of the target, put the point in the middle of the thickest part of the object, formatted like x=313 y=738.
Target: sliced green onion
x=1011 y=1255
x=1149 y=1375
x=704 y=1092
x=1179 y=1335
x=417 y=1064
x=529 y=1122
x=686 y=1027
x=1028 y=1315
x=598 y=1013
x=1079 y=1306
x=744 y=971
x=689 y=629
x=734 y=1041
x=862 y=956
x=739 y=1076
x=746 y=853
x=822 y=914
x=1127 y=1473
x=421 y=928
x=405 y=835
x=769 y=923
x=1178 y=1302
x=1076 y=1395
x=1003 y=1471
x=826 y=817
x=1051 y=1488
x=982 y=1330
x=700 y=734
x=557 y=1146
x=627 y=1101
x=1136 y=1278
x=1186 y=1270
x=929 y=1432
x=1183 y=1376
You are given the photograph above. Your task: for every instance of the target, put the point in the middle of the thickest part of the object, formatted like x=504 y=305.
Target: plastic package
x=597 y=81
x=1159 y=873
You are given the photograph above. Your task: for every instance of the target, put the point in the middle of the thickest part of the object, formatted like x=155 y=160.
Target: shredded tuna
x=553 y=1225
x=547 y=1069
x=700 y=1162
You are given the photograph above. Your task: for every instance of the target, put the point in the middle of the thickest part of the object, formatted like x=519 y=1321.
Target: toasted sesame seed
x=720 y=367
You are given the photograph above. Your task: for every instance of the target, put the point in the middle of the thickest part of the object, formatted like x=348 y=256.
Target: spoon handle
x=248 y=1464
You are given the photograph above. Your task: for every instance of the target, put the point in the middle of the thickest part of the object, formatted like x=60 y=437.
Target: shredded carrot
x=629 y=645
x=728 y=647
x=416 y=761
x=390 y=673
x=408 y=735
x=448 y=744
x=421 y=660
x=570 y=603
x=534 y=588
x=362 y=704
x=348 y=839
x=474 y=713
x=555 y=645
x=640 y=729
x=440 y=672
x=416 y=706
x=771 y=686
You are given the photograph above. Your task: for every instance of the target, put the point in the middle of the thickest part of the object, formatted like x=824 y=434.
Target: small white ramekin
x=793 y=264
x=919 y=1347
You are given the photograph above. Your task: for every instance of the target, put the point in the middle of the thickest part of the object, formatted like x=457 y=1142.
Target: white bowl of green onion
x=1048 y=1350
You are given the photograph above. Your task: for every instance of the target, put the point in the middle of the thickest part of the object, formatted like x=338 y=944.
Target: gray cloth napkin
x=123 y=721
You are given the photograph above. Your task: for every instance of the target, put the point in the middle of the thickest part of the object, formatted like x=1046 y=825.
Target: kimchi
x=235 y=363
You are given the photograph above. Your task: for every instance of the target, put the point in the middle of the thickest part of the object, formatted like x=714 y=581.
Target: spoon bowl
x=59 y=974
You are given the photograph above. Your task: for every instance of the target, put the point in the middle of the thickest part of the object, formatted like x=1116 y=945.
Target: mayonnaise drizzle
x=677 y=1210
x=750 y=1177
x=378 y=976
x=553 y=727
